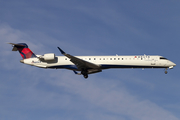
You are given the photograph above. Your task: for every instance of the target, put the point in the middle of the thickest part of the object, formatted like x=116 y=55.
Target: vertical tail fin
x=23 y=49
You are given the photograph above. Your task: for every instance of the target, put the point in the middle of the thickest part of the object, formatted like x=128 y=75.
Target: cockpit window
x=163 y=58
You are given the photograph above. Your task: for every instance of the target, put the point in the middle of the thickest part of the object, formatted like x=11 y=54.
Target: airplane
x=90 y=64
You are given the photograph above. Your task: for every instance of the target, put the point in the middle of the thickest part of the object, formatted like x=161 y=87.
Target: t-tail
x=23 y=49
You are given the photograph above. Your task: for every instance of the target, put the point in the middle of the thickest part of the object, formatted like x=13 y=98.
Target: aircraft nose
x=174 y=64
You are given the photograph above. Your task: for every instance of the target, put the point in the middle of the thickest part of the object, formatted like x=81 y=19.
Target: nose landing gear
x=166 y=71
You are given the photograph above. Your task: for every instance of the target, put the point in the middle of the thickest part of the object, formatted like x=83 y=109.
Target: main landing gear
x=84 y=73
x=86 y=76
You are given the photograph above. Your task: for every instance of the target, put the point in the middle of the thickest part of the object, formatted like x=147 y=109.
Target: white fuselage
x=105 y=62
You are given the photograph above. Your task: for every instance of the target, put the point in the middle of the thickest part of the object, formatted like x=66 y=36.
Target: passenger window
x=94 y=58
x=110 y=58
x=89 y=58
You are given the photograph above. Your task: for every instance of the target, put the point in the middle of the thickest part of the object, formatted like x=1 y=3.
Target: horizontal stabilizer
x=15 y=46
x=20 y=45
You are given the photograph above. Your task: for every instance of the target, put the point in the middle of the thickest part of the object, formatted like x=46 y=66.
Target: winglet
x=62 y=52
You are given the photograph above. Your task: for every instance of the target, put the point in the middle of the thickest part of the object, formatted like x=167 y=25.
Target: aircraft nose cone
x=171 y=65
x=174 y=64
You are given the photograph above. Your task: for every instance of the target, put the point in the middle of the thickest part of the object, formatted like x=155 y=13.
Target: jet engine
x=48 y=57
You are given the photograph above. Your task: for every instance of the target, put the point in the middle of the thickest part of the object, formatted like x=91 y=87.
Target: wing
x=81 y=64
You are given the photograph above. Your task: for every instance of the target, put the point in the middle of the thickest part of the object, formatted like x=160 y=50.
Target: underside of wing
x=84 y=66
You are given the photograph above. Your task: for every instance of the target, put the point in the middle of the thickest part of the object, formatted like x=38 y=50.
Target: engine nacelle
x=48 y=57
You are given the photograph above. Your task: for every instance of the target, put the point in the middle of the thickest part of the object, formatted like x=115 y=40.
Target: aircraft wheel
x=85 y=76
x=84 y=72
x=166 y=71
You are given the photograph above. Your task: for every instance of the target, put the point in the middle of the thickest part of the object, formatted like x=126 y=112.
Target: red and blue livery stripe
x=24 y=51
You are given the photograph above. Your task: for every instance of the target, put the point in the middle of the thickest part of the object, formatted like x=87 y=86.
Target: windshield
x=163 y=58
